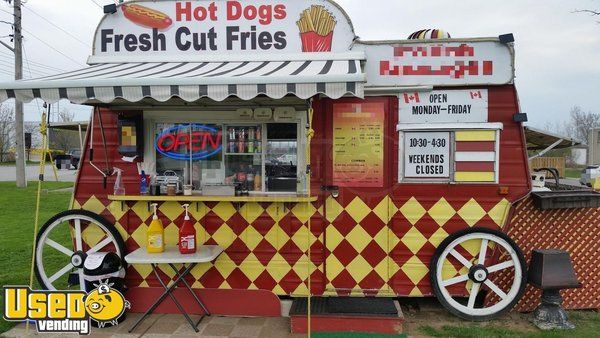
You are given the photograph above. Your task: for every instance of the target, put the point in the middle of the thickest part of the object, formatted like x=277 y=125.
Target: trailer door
x=356 y=192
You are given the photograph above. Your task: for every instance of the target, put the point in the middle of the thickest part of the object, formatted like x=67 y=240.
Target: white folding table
x=172 y=256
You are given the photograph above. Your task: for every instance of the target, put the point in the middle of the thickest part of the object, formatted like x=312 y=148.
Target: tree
x=592 y=12
x=7 y=124
x=34 y=129
x=581 y=123
x=64 y=139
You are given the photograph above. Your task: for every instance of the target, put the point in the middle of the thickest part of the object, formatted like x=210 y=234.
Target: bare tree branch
x=592 y=12
x=581 y=123
x=7 y=118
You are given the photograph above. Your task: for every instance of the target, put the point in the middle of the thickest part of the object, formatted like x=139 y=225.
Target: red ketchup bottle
x=187 y=234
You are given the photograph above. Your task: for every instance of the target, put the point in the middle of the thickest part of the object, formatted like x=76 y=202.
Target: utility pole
x=19 y=134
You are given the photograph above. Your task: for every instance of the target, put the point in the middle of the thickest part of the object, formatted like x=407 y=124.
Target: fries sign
x=203 y=28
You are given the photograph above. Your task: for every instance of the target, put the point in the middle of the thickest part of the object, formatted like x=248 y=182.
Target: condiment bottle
x=156 y=234
x=143 y=183
x=258 y=134
x=257 y=183
x=187 y=234
x=119 y=188
x=242 y=141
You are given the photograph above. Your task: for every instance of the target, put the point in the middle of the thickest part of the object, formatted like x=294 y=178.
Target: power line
x=57 y=27
x=54 y=49
x=97 y=4
x=5 y=58
x=5 y=11
x=10 y=64
x=5 y=72
x=29 y=68
x=35 y=64
x=10 y=69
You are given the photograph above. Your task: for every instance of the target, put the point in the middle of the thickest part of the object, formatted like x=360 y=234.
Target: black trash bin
x=104 y=267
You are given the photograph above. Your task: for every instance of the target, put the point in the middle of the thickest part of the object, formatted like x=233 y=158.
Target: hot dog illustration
x=147 y=17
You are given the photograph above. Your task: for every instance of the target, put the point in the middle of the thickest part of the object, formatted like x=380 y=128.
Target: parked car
x=75 y=157
x=588 y=174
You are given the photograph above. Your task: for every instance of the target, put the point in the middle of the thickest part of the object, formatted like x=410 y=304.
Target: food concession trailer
x=376 y=168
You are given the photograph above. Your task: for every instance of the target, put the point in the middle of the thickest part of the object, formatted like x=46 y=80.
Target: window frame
x=224 y=119
x=452 y=128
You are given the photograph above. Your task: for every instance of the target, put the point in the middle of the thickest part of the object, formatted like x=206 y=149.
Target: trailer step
x=345 y=314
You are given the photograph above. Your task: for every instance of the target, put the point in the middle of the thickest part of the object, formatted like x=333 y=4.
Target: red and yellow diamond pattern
x=375 y=246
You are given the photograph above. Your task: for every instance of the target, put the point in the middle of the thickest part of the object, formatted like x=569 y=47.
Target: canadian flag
x=476 y=95
x=412 y=98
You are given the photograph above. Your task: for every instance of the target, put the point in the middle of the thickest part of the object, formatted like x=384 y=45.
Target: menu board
x=358 y=131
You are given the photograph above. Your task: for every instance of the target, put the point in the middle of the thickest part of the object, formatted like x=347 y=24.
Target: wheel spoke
x=100 y=245
x=460 y=258
x=455 y=280
x=482 y=251
x=60 y=273
x=473 y=295
x=58 y=247
x=496 y=289
x=78 y=242
x=81 y=280
x=501 y=266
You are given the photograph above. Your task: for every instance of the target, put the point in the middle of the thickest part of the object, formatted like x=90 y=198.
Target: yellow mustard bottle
x=156 y=234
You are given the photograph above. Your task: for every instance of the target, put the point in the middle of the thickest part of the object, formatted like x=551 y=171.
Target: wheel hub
x=478 y=273
x=78 y=259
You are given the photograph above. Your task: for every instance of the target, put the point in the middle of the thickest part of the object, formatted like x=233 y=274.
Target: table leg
x=170 y=294
x=191 y=291
x=167 y=292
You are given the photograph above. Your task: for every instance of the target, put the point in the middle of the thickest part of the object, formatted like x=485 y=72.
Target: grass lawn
x=587 y=325
x=573 y=173
x=12 y=164
x=17 y=215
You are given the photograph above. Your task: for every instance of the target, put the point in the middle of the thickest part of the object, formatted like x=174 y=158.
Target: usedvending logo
x=64 y=311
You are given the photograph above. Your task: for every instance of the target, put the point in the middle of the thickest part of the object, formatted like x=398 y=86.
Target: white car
x=588 y=174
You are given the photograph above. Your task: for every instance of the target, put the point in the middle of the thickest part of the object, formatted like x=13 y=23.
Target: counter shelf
x=281 y=198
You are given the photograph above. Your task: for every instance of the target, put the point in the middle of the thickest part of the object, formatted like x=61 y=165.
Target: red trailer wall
x=383 y=238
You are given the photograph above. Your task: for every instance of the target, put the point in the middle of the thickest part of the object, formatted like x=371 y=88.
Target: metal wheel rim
x=45 y=240
x=506 y=298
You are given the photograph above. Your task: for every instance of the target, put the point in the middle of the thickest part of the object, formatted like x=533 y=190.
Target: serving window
x=253 y=156
x=465 y=155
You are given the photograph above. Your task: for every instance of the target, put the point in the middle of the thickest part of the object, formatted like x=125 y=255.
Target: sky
x=557 y=50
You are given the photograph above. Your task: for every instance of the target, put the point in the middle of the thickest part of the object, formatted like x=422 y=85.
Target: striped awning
x=191 y=81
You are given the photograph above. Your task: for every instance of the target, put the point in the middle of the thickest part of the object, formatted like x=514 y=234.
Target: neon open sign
x=195 y=141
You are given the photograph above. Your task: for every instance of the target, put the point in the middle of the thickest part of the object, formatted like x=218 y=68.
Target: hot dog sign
x=208 y=28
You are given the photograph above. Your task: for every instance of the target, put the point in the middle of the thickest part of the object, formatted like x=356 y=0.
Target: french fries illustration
x=146 y=17
x=316 y=26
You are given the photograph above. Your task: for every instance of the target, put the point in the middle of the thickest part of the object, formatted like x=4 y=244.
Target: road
x=7 y=173
x=571 y=181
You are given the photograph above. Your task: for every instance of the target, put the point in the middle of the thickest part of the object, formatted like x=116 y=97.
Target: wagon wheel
x=64 y=242
x=464 y=261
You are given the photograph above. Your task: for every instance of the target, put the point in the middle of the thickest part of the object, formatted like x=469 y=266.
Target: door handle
x=333 y=189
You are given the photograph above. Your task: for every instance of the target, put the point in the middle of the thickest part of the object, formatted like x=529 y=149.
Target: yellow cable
x=309 y=135
x=43 y=131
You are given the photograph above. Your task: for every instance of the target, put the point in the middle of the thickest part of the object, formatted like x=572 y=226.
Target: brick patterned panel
x=576 y=231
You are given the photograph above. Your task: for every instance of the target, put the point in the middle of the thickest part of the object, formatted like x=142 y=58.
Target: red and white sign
x=444 y=106
x=448 y=63
x=200 y=28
